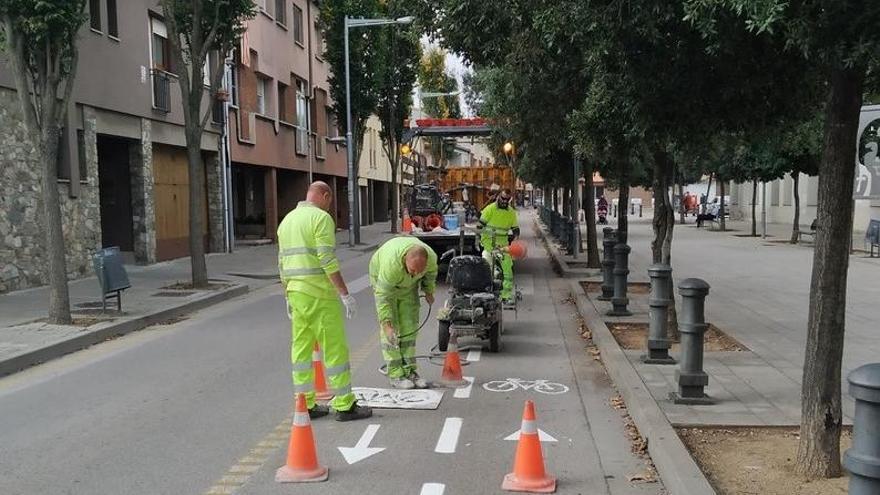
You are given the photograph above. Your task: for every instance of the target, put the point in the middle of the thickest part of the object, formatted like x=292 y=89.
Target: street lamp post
x=354 y=221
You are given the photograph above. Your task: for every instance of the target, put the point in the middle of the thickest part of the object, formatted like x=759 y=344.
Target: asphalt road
x=203 y=406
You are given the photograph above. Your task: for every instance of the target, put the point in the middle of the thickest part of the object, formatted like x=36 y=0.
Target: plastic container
x=451 y=222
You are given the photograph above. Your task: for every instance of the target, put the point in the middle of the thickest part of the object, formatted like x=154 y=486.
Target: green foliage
x=398 y=52
x=363 y=60
x=434 y=78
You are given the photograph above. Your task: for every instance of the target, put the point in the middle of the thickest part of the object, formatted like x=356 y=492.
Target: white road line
x=449 y=436
x=359 y=284
x=432 y=489
x=465 y=392
x=473 y=355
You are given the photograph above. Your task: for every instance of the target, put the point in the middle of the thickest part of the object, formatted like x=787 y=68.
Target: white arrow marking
x=362 y=450
x=464 y=392
x=433 y=489
x=542 y=435
x=473 y=355
x=449 y=436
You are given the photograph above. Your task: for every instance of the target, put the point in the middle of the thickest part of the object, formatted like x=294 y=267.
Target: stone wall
x=142 y=200
x=22 y=225
x=214 y=177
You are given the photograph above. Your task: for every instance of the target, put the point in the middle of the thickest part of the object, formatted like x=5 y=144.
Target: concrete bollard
x=658 y=344
x=621 y=270
x=690 y=375
x=863 y=459
x=609 y=239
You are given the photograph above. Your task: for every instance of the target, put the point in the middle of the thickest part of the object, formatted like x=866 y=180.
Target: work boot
x=356 y=412
x=418 y=382
x=401 y=383
x=318 y=411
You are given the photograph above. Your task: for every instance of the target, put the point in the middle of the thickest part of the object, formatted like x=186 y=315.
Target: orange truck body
x=478 y=181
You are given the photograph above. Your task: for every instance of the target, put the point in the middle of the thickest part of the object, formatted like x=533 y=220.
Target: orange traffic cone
x=407 y=222
x=528 y=467
x=302 y=460
x=321 y=392
x=452 y=377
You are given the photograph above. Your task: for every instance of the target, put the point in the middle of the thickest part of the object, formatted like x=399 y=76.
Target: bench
x=872 y=237
x=808 y=233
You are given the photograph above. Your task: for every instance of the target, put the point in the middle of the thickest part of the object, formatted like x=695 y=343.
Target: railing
x=161 y=90
x=563 y=229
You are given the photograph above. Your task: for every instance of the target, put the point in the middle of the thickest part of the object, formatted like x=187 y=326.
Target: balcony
x=161 y=90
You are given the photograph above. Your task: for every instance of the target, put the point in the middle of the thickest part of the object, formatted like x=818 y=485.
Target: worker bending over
x=397 y=270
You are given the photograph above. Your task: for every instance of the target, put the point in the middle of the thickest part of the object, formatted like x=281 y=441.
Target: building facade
x=122 y=173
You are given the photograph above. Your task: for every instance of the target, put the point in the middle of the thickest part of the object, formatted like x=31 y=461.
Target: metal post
x=621 y=270
x=690 y=376
x=763 y=210
x=608 y=242
x=863 y=459
x=640 y=211
x=658 y=345
x=353 y=230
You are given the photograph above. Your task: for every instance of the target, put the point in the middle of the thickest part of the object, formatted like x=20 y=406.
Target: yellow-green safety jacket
x=306 y=251
x=389 y=277
x=496 y=223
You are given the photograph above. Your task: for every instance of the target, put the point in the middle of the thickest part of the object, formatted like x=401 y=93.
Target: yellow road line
x=242 y=471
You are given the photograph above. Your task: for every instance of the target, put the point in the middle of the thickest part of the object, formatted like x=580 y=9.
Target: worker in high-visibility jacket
x=496 y=220
x=398 y=269
x=316 y=298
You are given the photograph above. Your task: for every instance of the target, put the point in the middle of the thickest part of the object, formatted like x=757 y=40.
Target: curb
x=678 y=470
x=558 y=260
x=102 y=332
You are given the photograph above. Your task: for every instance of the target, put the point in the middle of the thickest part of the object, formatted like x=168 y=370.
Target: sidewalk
x=24 y=340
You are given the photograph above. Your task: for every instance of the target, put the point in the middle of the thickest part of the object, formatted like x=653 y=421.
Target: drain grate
x=173 y=293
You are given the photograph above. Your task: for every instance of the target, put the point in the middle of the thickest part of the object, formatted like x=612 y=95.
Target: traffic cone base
x=286 y=474
x=452 y=376
x=513 y=484
x=302 y=458
x=528 y=466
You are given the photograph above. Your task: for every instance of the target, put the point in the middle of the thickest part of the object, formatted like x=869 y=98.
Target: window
x=302 y=115
x=281 y=12
x=282 y=102
x=298 y=24
x=161 y=48
x=322 y=41
x=233 y=82
x=332 y=131
x=112 y=21
x=95 y=14
x=262 y=5
x=261 y=96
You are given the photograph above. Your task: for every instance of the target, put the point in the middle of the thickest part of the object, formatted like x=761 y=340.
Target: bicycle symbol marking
x=540 y=386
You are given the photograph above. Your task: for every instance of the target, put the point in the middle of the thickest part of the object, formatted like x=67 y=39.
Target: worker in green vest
x=398 y=269
x=496 y=220
x=316 y=298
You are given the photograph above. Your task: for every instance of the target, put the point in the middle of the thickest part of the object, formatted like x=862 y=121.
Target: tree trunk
x=623 y=205
x=721 y=219
x=395 y=200
x=555 y=199
x=796 y=226
x=589 y=204
x=681 y=206
x=196 y=207
x=819 y=447
x=754 y=203
x=566 y=202
x=704 y=206
x=59 y=295
x=663 y=224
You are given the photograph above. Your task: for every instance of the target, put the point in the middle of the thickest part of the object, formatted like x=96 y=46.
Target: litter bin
x=111 y=275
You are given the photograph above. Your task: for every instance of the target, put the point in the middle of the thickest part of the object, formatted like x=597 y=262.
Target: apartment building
x=122 y=175
x=280 y=119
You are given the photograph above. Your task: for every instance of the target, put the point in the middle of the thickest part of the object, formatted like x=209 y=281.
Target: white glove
x=289 y=314
x=350 y=304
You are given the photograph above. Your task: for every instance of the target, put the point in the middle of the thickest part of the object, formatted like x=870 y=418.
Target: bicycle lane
x=461 y=446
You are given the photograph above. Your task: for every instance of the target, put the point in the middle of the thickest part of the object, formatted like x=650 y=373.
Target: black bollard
x=863 y=459
x=609 y=239
x=690 y=376
x=658 y=344
x=621 y=270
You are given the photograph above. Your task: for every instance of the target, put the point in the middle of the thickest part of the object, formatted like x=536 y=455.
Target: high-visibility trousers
x=321 y=321
x=405 y=320
x=506 y=270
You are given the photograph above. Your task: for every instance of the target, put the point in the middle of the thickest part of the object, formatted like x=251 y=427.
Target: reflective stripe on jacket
x=306 y=251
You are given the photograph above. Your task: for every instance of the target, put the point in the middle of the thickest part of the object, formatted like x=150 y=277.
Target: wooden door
x=171 y=190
